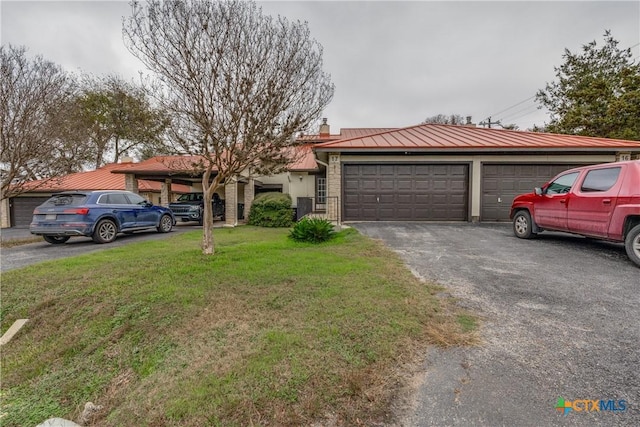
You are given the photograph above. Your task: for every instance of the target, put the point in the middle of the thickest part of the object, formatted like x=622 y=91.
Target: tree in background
x=117 y=118
x=596 y=93
x=237 y=84
x=446 y=119
x=33 y=93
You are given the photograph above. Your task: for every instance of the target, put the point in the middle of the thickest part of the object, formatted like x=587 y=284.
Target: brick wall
x=334 y=186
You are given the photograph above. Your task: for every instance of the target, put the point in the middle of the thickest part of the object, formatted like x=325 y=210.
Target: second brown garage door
x=502 y=182
x=405 y=192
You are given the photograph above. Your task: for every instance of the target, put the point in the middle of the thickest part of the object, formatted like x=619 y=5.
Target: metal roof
x=356 y=132
x=164 y=165
x=428 y=137
x=302 y=159
x=99 y=179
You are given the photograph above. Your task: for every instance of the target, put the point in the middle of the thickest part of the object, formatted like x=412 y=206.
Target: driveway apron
x=559 y=315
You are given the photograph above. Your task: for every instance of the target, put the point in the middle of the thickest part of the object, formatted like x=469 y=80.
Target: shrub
x=313 y=230
x=271 y=210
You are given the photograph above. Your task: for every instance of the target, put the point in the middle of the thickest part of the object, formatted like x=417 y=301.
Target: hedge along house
x=17 y=211
x=450 y=173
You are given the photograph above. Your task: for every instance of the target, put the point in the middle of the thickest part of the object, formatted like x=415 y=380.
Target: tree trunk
x=208 y=247
x=208 y=188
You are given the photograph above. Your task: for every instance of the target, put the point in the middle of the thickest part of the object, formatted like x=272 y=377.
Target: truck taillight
x=77 y=211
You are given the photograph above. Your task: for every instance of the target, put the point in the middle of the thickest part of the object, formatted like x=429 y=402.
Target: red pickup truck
x=600 y=201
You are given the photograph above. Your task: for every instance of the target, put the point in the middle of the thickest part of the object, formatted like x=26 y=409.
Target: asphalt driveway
x=31 y=253
x=560 y=318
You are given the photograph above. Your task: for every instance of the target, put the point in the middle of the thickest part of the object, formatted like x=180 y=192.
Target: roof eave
x=467 y=150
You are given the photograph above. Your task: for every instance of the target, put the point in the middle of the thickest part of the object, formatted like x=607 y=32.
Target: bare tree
x=32 y=93
x=444 y=119
x=238 y=84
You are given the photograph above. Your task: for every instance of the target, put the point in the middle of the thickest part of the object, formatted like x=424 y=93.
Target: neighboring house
x=450 y=173
x=17 y=211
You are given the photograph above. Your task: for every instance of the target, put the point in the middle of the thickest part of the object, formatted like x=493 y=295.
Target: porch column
x=334 y=188
x=131 y=182
x=231 y=203
x=5 y=221
x=249 y=194
x=165 y=192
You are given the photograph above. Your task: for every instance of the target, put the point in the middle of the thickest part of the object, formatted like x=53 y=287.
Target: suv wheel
x=166 y=224
x=632 y=244
x=522 y=225
x=105 y=231
x=56 y=240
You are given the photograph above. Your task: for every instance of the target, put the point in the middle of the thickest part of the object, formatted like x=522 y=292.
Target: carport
x=238 y=193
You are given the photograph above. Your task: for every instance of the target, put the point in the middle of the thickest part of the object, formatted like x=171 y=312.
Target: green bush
x=271 y=210
x=313 y=230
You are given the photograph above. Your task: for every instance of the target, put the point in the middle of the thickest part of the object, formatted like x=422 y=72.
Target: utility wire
x=528 y=109
x=513 y=106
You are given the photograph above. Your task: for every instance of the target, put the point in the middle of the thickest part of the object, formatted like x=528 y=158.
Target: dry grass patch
x=268 y=331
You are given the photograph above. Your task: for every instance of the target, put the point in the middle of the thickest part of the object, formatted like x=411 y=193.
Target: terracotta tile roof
x=100 y=179
x=428 y=137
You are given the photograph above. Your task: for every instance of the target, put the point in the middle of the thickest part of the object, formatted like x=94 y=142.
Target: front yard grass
x=267 y=331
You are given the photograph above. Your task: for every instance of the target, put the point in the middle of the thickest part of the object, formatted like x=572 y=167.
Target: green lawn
x=267 y=331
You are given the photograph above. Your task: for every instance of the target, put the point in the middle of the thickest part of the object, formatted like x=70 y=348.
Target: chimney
x=469 y=123
x=325 y=130
x=126 y=159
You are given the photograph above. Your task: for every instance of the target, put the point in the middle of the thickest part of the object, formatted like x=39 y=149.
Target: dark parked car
x=600 y=201
x=100 y=215
x=190 y=207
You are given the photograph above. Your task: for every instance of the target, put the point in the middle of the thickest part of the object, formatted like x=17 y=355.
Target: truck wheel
x=56 y=240
x=522 y=225
x=632 y=244
x=105 y=231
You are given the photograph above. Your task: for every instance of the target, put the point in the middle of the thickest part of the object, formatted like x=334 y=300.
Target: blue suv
x=100 y=215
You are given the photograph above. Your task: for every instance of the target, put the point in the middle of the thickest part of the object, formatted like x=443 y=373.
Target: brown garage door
x=502 y=182
x=405 y=192
x=22 y=209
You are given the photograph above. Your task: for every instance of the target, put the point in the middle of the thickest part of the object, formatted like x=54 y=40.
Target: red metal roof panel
x=99 y=179
x=436 y=136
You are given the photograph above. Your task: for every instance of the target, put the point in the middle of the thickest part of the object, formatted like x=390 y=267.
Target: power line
x=515 y=113
x=513 y=106
x=488 y=121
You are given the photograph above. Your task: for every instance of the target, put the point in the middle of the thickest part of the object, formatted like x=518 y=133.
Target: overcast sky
x=393 y=63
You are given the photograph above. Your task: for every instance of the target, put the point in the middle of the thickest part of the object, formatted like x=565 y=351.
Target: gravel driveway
x=560 y=317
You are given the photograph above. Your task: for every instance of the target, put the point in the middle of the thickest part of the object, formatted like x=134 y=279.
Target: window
x=321 y=190
x=562 y=184
x=67 y=200
x=113 y=199
x=136 y=199
x=600 y=179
